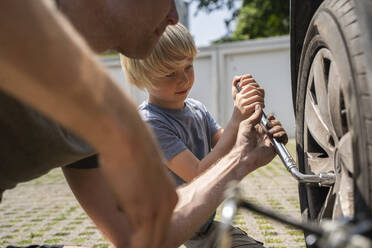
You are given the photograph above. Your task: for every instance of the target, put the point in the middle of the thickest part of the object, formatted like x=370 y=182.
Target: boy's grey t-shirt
x=191 y=127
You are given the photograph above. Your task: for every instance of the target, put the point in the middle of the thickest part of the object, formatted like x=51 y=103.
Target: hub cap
x=327 y=137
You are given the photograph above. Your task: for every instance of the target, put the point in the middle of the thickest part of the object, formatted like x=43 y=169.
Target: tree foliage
x=255 y=18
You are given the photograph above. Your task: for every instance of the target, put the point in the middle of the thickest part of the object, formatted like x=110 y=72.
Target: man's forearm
x=98 y=202
x=199 y=199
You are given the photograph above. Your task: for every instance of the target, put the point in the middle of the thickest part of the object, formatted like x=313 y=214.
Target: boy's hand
x=249 y=96
x=276 y=130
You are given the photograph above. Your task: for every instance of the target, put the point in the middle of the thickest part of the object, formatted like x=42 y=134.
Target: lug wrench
x=322 y=179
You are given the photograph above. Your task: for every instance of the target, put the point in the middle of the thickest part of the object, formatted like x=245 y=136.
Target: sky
x=206 y=28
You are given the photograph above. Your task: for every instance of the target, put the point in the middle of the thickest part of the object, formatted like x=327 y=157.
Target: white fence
x=267 y=60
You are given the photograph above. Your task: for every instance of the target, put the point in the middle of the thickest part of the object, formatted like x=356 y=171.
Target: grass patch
x=24 y=242
x=291 y=228
x=28 y=225
x=4 y=242
x=79 y=240
x=61 y=234
x=296 y=233
x=259 y=217
x=72 y=209
x=9 y=237
x=10 y=213
x=101 y=246
x=36 y=235
x=81 y=218
x=19 y=209
x=15 y=221
x=270 y=241
x=45 y=229
x=24 y=216
x=265 y=227
x=6 y=226
x=75 y=223
x=86 y=233
x=242 y=222
x=37 y=220
x=52 y=223
x=262 y=172
x=272 y=169
x=268 y=233
x=69 y=228
x=52 y=241
x=274 y=203
x=59 y=218
x=43 y=216
x=299 y=240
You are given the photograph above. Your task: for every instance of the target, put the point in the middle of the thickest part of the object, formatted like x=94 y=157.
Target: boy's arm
x=217 y=137
x=187 y=166
x=45 y=63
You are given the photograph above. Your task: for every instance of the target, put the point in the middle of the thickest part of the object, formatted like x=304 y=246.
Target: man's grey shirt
x=31 y=144
x=191 y=127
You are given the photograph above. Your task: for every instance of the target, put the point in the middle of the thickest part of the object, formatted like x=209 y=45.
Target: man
x=45 y=63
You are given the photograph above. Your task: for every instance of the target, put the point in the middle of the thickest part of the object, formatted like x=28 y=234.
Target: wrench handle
x=280 y=148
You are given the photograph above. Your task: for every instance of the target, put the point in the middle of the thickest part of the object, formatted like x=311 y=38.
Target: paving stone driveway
x=44 y=211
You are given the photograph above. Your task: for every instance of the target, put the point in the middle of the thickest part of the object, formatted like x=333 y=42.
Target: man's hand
x=254 y=144
x=250 y=95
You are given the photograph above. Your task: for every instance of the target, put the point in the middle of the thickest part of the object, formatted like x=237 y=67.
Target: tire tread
x=347 y=16
x=348 y=21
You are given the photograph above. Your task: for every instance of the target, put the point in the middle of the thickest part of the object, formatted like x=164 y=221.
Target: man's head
x=131 y=27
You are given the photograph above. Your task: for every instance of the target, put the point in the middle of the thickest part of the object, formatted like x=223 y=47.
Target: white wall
x=267 y=60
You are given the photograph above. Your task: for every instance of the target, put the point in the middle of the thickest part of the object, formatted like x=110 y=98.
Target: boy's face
x=171 y=90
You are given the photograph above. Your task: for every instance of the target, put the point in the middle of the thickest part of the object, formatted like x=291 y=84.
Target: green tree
x=255 y=18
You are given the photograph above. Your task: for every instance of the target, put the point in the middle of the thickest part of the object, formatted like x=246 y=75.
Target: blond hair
x=174 y=47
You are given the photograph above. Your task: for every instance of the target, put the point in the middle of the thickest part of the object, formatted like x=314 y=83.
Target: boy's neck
x=166 y=104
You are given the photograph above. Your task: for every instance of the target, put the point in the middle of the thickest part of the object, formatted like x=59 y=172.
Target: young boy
x=185 y=130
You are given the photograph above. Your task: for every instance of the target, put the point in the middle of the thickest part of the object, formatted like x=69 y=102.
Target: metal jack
x=230 y=206
x=342 y=233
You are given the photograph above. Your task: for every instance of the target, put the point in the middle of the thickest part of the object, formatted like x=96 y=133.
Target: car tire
x=334 y=111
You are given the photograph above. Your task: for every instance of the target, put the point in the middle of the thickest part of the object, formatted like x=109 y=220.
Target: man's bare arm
x=197 y=200
x=45 y=63
x=92 y=191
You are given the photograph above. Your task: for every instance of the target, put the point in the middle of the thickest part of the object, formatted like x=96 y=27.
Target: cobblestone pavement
x=44 y=211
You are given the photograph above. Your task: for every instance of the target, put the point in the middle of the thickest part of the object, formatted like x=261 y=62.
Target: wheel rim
x=327 y=137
